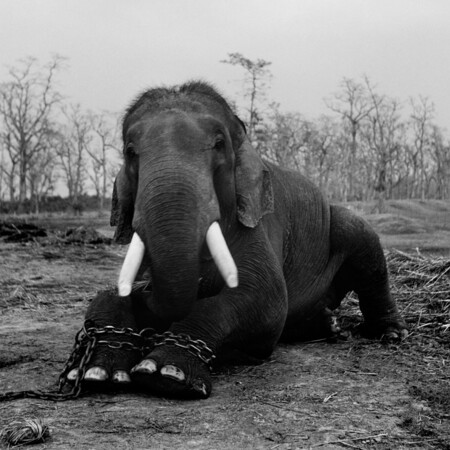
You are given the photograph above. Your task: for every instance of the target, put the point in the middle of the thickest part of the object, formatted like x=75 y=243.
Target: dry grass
x=23 y=431
x=421 y=285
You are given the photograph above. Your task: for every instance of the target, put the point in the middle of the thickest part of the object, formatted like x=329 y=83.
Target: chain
x=196 y=347
x=82 y=351
x=87 y=339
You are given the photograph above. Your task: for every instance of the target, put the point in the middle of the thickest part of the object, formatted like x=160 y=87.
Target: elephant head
x=188 y=165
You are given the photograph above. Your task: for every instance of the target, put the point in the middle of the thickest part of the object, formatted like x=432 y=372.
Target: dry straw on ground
x=23 y=431
x=421 y=286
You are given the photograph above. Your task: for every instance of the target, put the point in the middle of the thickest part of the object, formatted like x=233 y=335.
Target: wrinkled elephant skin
x=288 y=257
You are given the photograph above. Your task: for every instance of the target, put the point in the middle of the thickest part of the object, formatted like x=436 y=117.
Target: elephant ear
x=122 y=208
x=253 y=185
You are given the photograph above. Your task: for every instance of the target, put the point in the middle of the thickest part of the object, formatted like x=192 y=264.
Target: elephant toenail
x=72 y=375
x=334 y=325
x=391 y=336
x=173 y=372
x=96 y=374
x=145 y=366
x=200 y=387
x=120 y=376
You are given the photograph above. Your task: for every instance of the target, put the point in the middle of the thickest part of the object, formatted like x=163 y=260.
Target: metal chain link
x=82 y=351
x=86 y=340
x=196 y=347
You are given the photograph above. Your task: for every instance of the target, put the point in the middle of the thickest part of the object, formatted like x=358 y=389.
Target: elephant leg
x=248 y=318
x=381 y=316
x=174 y=371
x=184 y=372
x=364 y=271
x=113 y=358
x=168 y=369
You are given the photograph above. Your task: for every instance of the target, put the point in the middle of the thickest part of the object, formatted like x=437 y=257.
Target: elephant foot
x=174 y=372
x=389 y=330
x=110 y=364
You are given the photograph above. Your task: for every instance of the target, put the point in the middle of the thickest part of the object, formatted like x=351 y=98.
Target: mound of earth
x=395 y=224
x=85 y=235
x=20 y=231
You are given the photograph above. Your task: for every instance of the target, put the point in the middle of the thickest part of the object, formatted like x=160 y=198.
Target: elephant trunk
x=173 y=214
x=169 y=222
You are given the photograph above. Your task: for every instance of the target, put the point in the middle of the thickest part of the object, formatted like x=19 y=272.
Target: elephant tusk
x=221 y=255
x=131 y=264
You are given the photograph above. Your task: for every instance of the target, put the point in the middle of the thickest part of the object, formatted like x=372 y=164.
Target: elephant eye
x=219 y=144
x=130 y=150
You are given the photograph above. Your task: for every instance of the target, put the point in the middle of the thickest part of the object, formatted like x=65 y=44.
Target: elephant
x=234 y=253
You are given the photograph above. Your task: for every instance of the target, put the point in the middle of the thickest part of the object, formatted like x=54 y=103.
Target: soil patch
x=353 y=393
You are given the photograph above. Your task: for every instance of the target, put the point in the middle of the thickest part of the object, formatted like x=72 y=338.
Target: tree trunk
x=351 y=172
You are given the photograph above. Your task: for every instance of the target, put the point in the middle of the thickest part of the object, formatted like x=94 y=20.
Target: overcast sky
x=117 y=48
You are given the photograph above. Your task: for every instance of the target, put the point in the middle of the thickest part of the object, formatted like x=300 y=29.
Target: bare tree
x=42 y=174
x=74 y=138
x=303 y=145
x=323 y=147
x=9 y=165
x=2 y=186
x=353 y=105
x=421 y=125
x=440 y=154
x=3 y=174
x=255 y=80
x=27 y=101
x=104 y=138
x=284 y=138
x=381 y=135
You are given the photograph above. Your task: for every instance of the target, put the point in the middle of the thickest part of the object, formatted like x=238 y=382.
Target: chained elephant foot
x=174 y=372
x=110 y=363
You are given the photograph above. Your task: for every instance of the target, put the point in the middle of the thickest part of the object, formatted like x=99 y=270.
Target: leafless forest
x=46 y=140
x=369 y=147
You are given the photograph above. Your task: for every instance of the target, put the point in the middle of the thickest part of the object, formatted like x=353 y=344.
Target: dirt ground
x=356 y=393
